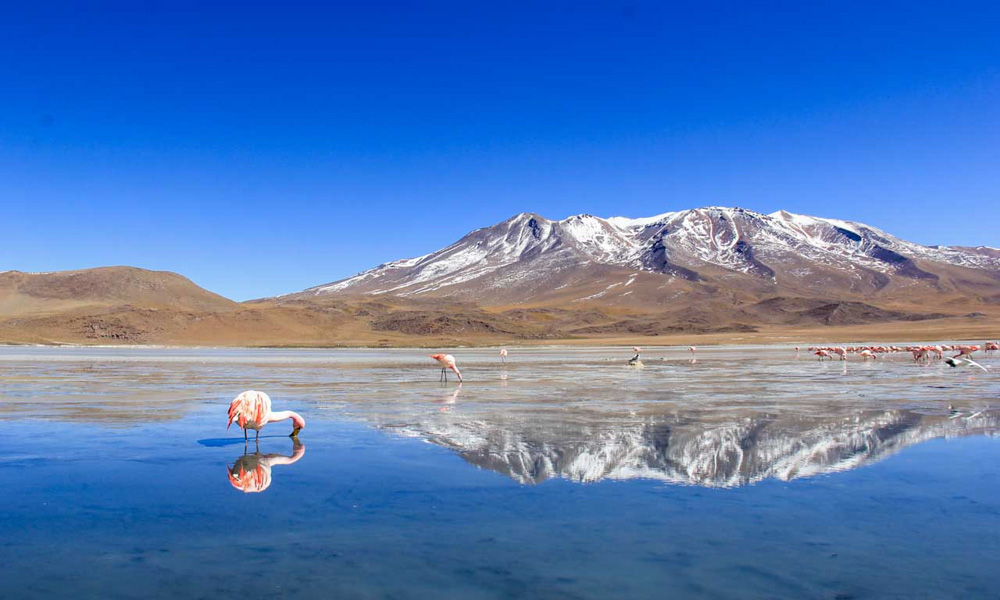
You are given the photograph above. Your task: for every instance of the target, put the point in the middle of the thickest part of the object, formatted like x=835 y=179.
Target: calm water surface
x=746 y=473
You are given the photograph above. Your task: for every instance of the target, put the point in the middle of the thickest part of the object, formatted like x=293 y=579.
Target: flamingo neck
x=284 y=415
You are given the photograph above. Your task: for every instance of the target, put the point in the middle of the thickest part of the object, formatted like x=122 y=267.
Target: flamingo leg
x=257 y=439
x=244 y=436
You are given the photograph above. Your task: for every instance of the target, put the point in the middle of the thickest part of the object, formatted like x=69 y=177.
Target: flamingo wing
x=446 y=360
x=249 y=408
x=975 y=364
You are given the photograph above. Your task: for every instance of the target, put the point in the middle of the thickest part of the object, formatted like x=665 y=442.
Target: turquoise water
x=561 y=475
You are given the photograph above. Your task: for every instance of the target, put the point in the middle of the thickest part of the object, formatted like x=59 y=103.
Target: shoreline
x=650 y=342
x=974 y=329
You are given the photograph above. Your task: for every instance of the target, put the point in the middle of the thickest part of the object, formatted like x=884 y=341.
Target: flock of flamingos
x=251 y=410
x=920 y=353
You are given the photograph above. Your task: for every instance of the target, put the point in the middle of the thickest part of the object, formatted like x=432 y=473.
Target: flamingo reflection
x=448 y=400
x=251 y=473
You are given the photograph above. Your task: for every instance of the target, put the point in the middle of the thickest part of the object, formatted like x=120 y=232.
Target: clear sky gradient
x=263 y=147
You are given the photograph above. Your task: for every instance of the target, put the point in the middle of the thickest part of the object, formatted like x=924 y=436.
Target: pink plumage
x=252 y=410
x=447 y=361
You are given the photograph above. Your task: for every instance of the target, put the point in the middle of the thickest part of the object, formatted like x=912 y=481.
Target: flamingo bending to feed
x=252 y=410
x=447 y=361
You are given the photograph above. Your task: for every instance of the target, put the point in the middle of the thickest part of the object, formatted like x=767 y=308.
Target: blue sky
x=261 y=148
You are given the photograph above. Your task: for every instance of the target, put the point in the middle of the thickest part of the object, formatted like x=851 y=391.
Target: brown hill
x=104 y=287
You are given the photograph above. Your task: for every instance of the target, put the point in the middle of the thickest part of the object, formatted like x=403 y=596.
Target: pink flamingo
x=252 y=410
x=692 y=349
x=965 y=351
x=503 y=355
x=252 y=472
x=447 y=361
x=823 y=354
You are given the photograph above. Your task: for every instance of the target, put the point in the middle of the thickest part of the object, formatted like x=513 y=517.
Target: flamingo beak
x=295 y=432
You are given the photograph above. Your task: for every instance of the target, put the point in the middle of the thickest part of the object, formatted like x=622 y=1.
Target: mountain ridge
x=530 y=257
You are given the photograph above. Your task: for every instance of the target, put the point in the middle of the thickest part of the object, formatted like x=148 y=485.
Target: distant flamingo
x=252 y=410
x=692 y=349
x=447 y=361
x=503 y=355
x=965 y=350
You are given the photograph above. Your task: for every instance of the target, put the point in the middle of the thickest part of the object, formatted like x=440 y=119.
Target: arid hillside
x=124 y=305
x=105 y=287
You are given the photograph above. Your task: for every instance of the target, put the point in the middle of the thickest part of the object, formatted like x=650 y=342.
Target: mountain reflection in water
x=684 y=449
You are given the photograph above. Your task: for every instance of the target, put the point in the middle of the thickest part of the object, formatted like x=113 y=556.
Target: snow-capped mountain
x=587 y=258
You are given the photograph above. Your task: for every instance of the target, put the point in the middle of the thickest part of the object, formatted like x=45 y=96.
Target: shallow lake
x=727 y=473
